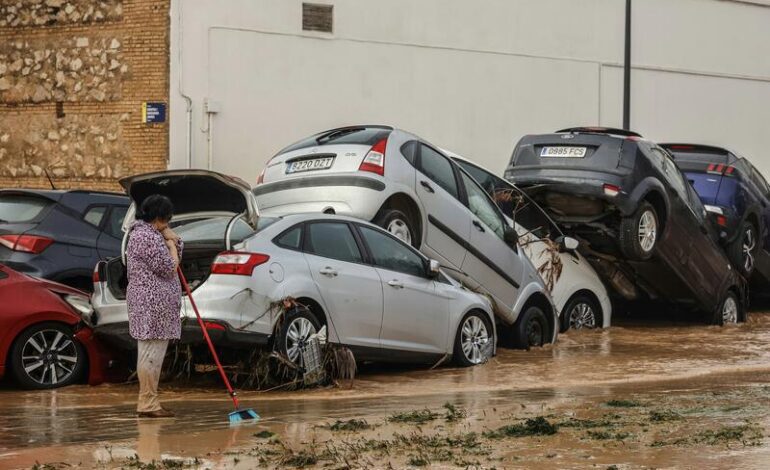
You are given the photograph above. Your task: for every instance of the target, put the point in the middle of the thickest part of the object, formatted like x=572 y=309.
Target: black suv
x=640 y=222
x=60 y=235
x=737 y=198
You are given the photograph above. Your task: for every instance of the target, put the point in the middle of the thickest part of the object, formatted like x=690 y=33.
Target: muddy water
x=721 y=373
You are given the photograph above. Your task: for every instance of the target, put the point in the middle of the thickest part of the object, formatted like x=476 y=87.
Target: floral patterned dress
x=154 y=292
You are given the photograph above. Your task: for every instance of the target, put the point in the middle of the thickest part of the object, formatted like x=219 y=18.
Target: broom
x=239 y=414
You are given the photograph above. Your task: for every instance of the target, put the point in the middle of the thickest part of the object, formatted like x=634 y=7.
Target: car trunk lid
x=567 y=151
x=708 y=169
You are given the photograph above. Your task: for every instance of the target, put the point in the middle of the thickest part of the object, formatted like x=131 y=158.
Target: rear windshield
x=212 y=230
x=14 y=208
x=349 y=135
x=699 y=157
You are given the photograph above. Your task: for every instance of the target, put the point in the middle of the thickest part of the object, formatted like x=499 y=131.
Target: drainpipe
x=627 y=71
x=188 y=100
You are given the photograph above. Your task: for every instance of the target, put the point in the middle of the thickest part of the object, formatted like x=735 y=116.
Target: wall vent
x=317 y=17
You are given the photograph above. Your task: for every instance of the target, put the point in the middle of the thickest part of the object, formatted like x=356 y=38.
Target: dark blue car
x=737 y=198
x=60 y=235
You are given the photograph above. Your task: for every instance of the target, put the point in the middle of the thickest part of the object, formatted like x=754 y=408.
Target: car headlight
x=714 y=209
x=82 y=306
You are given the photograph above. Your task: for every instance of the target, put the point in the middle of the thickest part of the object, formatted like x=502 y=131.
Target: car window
x=481 y=206
x=671 y=171
x=212 y=230
x=438 y=168
x=114 y=225
x=332 y=240
x=485 y=179
x=759 y=180
x=95 y=215
x=291 y=239
x=16 y=208
x=394 y=255
x=409 y=151
x=351 y=135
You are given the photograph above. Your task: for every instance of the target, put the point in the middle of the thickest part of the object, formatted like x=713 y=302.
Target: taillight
x=720 y=169
x=238 y=263
x=95 y=276
x=374 y=161
x=722 y=221
x=25 y=243
x=261 y=177
x=611 y=190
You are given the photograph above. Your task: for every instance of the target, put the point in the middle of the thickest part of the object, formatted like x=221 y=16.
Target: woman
x=153 y=296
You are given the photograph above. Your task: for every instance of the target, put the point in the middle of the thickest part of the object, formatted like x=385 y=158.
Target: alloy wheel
x=299 y=331
x=648 y=229
x=474 y=338
x=582 y=315
x=400 y=229
x=49 y=357
x=749 y=243
x=730 y=311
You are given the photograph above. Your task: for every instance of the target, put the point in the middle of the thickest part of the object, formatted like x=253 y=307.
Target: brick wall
x=73 y=76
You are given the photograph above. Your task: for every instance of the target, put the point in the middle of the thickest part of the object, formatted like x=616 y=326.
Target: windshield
x=350 y=135
x=15 y=208
x=212 y=230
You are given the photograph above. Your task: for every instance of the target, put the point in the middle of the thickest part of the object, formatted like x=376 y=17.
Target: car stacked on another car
x=376 y=294
x=410 y=188
x=60 y=235
x=579 y=295
x=737 y=198
x=641 y=222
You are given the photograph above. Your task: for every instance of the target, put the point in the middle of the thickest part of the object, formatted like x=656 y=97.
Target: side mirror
x=511 y=237
x=568 y=244
x=433 y=268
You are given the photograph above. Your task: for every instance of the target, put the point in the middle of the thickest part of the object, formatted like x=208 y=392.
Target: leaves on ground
x=531 y=427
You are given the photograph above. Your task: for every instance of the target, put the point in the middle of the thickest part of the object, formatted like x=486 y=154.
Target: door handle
x=478 y=225
x=396 y=284
x=427 y=186
x=327 y=271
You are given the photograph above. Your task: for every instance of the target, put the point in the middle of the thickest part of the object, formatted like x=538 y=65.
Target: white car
x=407 y=186
x=579 y=295
x=375 y=294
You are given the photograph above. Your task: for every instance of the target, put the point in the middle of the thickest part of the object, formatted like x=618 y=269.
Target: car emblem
x=567 y=136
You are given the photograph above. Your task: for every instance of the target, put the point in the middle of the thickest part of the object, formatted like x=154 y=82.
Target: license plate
x=568 y=152
x=310 y=165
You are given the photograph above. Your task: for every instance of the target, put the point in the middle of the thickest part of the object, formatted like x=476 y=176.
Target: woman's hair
x=156 y=207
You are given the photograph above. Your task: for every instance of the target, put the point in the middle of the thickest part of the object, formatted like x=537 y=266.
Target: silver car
x=410 y=188
x=374 y=293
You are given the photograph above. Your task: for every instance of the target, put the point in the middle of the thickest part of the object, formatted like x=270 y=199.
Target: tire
x=729 y=311
x=581 y=312
x=474 y=340
x=46 y=356
x=297 y=326
x=398 y=224
x=639 y=234
x=742 y=251
x=531 y=329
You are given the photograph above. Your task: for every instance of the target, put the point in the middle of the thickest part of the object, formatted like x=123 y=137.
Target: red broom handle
x=208 y=339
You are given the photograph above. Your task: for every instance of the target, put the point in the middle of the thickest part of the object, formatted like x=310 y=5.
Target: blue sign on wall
x=153 y=112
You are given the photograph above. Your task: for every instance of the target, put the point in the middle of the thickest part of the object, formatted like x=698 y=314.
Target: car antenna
x=48 y=175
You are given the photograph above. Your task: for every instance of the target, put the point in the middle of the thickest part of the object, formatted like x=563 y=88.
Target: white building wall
x=471 y=76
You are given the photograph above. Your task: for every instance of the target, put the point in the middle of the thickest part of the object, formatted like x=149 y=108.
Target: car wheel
x=639 y=233
x=47 y=355
x=581 y=312
x=474 y=340
x=399 y=225
x=742 y=251
x=298 y=326
x=531 y=330
x=729 y=311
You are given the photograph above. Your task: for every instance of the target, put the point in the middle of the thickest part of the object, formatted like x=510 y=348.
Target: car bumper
x=221 y=334
x=348 y=194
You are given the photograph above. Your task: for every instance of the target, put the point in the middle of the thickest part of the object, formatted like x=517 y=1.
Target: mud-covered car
x=640 y=221
x=737 y=198
x=375 y=294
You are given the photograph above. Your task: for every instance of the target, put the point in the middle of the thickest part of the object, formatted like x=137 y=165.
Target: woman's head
x=157 y=210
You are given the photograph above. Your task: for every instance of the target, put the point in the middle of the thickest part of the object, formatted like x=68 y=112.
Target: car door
x=351 y=290
x=108 y=243
x=416 y=313
x=449 y=224
x=763 y=199
x=491 y=263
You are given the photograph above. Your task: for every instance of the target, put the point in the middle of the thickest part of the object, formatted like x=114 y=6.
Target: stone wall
x=73 y=76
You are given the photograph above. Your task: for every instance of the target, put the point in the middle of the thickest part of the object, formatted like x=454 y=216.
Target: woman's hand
x=171 y=245
x=169 y=234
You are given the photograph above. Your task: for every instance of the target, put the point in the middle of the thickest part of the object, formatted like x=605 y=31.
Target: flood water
x=680 y=367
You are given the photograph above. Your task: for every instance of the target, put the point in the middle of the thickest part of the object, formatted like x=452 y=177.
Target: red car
x=43 y=342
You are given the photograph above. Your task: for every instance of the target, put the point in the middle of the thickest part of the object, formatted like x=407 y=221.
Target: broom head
x=238 y=416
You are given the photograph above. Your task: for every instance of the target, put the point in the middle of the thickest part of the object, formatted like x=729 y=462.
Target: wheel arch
x=538 y=299
x=405 y=203
x=591 y=295
x=658 y=202
x=39 y=319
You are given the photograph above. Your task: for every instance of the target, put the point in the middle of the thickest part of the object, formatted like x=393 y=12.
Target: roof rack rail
x=600 y=130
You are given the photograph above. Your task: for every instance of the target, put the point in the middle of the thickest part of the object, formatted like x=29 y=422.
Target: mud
x=661 y=396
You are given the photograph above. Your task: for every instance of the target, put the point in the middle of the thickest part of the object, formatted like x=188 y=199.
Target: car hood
x=194 y=192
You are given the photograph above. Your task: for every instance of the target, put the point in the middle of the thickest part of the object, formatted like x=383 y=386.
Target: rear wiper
x=336 y=134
